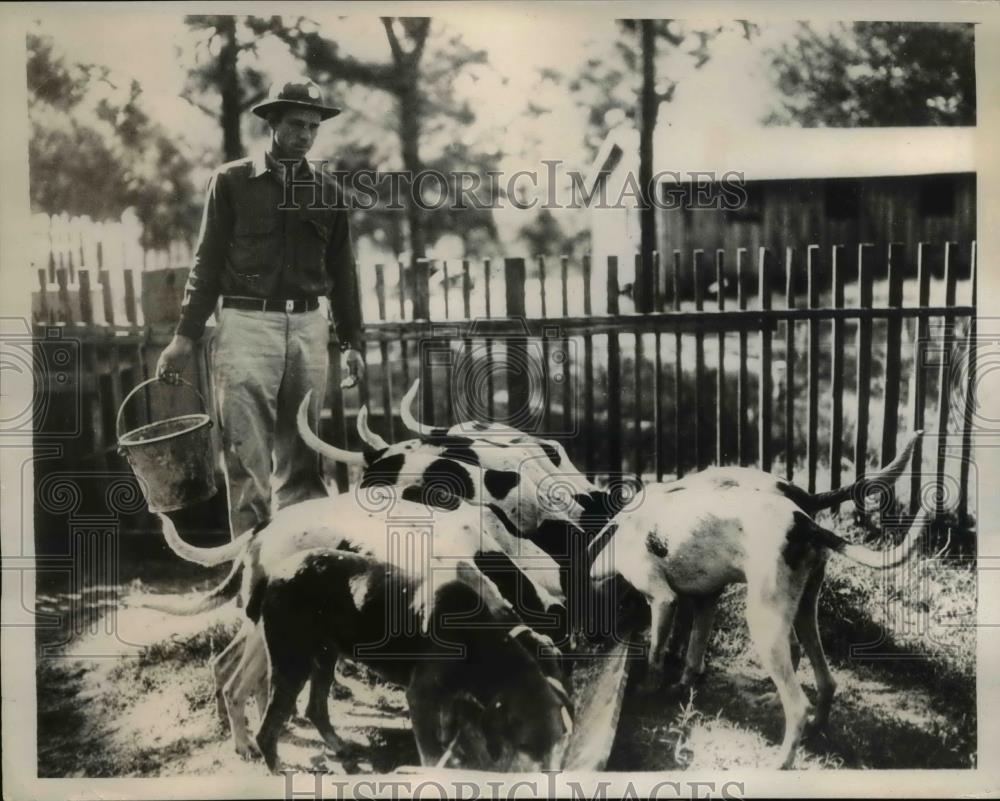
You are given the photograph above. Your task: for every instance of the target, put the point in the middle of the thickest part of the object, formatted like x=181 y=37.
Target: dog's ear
x=463 y=708
x=469 y=574
x=462 y=722
x=495 y=724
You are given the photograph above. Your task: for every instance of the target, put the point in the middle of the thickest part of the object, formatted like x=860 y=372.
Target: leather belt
x=262 y=304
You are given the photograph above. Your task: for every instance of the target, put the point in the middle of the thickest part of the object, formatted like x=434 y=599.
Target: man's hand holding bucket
x=174 y=359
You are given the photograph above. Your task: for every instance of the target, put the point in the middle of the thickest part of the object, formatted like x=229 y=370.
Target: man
x=274 y=238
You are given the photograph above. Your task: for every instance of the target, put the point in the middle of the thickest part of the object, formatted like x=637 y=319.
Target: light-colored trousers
x=263 y=365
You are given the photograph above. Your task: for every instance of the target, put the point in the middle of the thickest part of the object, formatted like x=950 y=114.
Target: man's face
x=295 y=132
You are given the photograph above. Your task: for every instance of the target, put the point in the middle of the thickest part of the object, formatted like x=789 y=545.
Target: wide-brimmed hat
x=300 y=93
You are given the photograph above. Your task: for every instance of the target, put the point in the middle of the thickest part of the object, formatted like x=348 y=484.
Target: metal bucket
x=172 y=458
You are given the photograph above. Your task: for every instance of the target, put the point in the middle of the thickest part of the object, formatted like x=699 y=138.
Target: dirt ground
x=132 y=695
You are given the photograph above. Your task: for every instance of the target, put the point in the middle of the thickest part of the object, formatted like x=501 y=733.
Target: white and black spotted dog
x=696 y=540
x=414 y=538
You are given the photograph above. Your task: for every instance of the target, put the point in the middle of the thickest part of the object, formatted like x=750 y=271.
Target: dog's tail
x=369 y=437
x=886 y=477
x=209 y=557
x=331 y=452
x=880 y=560
x=406 y=415
x=213 y=599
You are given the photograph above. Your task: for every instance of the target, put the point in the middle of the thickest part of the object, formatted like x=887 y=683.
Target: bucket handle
x=147 y=382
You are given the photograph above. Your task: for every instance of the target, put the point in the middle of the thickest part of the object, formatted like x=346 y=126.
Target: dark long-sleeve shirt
x=252 y=246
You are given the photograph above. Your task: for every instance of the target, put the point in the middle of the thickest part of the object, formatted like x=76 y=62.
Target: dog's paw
x=767 y=699
x=817 y=727
x=249 y=751
x=342 y=749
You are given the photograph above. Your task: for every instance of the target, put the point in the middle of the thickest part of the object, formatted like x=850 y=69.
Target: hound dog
x=722 y=479
x=321 y=603
x=697 y=541
x=518 y=575
x=446 y=470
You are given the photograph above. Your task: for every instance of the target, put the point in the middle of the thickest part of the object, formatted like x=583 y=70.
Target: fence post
x=699 y=363
x=613 y=434
x=92 y=366
x=720 y=376
x=678 y=366
x=518 y=359
x=488 y=307
x=644 y=288
x=130 y=308
x=765 y=382
x=970 y=399
x=893 y=346
x=919 y=380
x=864 y=351
x=743 y=382
x=66 y=307
x=444 y=284
x=567 y=383
x=546 y=399
x=86 y=304
x=588 y=377
x=421 y=311
x=404 y=347
x=637 y=393
x=789 y=367
x=383 y=347
x=944 y=389
x=837 y=370
x=466 y=312
x=657 y=377
x=43 y=297
x=812 y=367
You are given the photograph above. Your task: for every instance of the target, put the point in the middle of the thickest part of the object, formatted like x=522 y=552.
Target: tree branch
x=397 y=51
x=321 y=55
x=667 y=95
x=676 y=39
x=211 y=112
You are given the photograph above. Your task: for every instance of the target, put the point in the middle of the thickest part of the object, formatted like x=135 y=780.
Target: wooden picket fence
x=791 y=381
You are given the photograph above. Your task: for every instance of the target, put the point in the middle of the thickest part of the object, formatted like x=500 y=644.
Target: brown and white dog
x=721 y=479
x=453 y=651
x=409 y=535
x=448 y=470
x=696 y=541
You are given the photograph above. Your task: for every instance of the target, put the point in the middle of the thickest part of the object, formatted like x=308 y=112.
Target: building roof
x=774 y=153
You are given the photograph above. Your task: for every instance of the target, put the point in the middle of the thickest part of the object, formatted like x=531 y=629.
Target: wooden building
x=777 y=187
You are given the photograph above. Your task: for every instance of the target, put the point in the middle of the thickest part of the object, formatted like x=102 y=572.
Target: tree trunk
x=649 y=104
x=409 y=139
x=232 y=94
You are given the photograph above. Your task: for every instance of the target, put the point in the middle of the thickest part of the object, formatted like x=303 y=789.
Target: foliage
x=95 y=151
x=224 y=81
x=878 y=74
x=608 y=86
x=544 y=235
x=425 y=117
